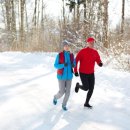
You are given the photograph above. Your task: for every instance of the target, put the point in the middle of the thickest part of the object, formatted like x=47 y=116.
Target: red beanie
x=90 y=39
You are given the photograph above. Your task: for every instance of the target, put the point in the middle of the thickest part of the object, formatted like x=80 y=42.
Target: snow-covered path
x=28 y=83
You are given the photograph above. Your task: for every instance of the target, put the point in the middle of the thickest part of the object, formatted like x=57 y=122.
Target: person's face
x=91 y=44
x=66 y=47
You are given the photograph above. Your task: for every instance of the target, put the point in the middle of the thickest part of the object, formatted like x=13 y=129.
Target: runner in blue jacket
x=64 y=64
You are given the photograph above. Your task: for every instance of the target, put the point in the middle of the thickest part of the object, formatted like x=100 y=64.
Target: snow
x=27 y=86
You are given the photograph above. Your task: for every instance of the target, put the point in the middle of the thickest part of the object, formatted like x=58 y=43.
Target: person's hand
x=65 y=64
x=100 y=64
x=76 y=74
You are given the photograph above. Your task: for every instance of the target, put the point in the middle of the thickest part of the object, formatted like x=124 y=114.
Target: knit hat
x=65 y=43
x=90 y=39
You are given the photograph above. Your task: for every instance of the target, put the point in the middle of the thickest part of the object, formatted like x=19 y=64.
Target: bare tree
x=123 y=17
x=85 y=11
x=22 y=7
x=78 y=16
x=105 y=23
x=13 y=18
x=35 y=14
x=8 y=15
x=42 y=15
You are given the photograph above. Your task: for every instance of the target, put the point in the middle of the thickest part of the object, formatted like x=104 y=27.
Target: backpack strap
x=71 y=57
x=61 y=57
x=72 y=60
x=61 y=61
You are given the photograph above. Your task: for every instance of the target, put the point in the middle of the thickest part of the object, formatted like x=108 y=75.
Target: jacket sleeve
x=77 y=60
x=57 y=65
x=74 y=62
x=98 y=60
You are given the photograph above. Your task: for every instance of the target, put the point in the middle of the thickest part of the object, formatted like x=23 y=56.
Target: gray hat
x=65 y=43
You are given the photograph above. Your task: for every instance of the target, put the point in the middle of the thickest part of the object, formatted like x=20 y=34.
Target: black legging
x=88 y=81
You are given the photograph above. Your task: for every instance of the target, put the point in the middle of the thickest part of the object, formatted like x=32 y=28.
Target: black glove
x=100 y=64
x=65 y=64
x=76 y=74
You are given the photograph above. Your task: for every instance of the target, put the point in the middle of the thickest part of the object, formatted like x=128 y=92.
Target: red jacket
x=87 y=58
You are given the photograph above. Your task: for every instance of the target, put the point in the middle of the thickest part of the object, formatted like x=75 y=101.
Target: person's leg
x=91 y=80
x=67 y=92
x=85 y=84
x=84 y=80
x=61 y=89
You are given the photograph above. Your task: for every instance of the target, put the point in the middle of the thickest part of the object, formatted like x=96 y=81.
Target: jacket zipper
x=67 y=63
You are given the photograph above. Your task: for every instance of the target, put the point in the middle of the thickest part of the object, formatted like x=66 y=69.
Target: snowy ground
x=28 y=83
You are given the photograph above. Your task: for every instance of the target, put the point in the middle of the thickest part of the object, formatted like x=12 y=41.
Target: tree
x=22 y=9
x=105 y=23
x=8 y=14
x=123 y=17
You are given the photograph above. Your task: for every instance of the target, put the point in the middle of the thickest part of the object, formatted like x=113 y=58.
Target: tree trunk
x=78 y=16
x=27 y=44
x=13 y=20
x=38 y=14
x=42 y=14
x=35 y=14
x=27 y=26
x=22 y=7
x=123 y=17
x=3 y=13
x=13 y=25
x=105 y=24
x=85 y=12
x=42 y=26
x=8 y=20
x=63 y=12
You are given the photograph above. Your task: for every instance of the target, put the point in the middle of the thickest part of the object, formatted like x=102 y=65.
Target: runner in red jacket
x=87 y=58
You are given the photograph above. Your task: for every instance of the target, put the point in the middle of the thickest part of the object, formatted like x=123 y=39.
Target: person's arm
x=57 y=65
x=98 y=59
x=78 y=57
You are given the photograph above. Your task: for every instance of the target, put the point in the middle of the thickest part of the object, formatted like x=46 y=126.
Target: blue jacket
x=67 y=72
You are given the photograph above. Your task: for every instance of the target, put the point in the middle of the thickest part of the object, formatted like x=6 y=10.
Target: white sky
x=115 y=7
x=54 y=7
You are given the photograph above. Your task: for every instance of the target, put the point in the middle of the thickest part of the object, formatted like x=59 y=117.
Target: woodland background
x=27 y=26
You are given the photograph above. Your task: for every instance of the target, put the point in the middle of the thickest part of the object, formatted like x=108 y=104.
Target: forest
x=27 y=26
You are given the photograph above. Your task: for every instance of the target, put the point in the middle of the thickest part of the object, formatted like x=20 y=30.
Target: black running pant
x=88 y=81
